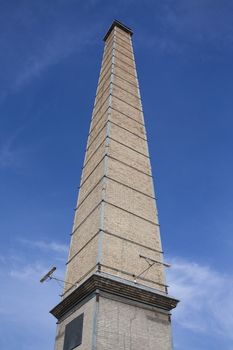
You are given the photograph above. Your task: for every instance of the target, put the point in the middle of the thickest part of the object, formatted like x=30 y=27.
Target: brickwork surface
x=126 y=327
x=116 y=217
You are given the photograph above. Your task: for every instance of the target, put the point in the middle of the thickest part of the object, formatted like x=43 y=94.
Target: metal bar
x=154 y=261
x=150 y=265
x=57 y=279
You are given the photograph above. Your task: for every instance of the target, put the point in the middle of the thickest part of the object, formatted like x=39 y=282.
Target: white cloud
x=206 y=298
x=24 y=301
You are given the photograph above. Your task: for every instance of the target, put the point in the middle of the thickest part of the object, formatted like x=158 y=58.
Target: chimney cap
x=120 y=25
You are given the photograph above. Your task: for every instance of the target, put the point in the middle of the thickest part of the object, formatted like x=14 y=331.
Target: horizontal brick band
x=114 y=235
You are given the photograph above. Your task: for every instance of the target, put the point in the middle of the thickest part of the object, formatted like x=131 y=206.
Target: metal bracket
x=150 y=262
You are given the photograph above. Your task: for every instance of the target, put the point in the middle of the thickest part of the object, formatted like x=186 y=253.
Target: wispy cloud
x=29 y=262
x=50 y=52
x=10 y=155
x=206 y=299
x=46 y=246
x=27 y=272
x=187 y=24
x=40 y=36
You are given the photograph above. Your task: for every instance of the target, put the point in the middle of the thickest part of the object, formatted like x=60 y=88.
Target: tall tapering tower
x=116 y=296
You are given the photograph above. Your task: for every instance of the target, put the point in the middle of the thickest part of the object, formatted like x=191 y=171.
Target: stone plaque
x=73 y=333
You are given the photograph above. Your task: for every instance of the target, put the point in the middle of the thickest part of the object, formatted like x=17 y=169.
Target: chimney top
x=120 y=25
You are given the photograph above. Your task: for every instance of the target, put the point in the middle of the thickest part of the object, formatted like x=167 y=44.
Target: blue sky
x=50 y=55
